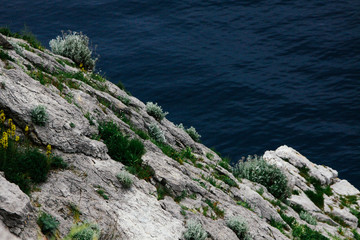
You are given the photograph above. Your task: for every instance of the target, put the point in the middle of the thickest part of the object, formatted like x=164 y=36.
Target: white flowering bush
x=125 y=179
x=239 y=226
x=75 y=46
x=194 y=231
x=156 y=133
x=155 y=110
x=256 y=169
x=307 y=217
x=191 y=131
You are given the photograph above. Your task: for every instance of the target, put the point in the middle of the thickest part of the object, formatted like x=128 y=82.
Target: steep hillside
x=92 y=133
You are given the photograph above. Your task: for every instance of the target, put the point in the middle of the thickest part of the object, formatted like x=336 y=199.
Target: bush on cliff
x=156 y=111
x=75 y=46
x=256 y=169
x=194 y=231
x=125 y=150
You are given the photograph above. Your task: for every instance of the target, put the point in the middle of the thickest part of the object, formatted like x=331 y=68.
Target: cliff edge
x=174 y=183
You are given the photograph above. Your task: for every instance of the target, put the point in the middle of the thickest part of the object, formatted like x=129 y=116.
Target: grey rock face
x=195 y=189
x=4 y=43
x=15 y=207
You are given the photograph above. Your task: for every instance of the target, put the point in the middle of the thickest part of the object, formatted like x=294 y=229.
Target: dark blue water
x=249 y=75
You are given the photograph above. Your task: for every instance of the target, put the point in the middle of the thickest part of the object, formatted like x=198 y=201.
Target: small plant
x=85 y=231
x=156 y=133
x=162 y=191
x=4 y=56
x=244 y=204
x=102 y=193
x=181 y=196
x=303 y=232
x=307 y=217
x=124 y=100
x=155 y=110
x=279 y=225
x=214 y=206
x=239 y=226
x=194 y=231
x=48 y=224
x=125 y=179
x=39 y=115
x=260 y=191
x=72 y=125
x=210 y=156
x=291 y=221
x=257 y=170
x=75 y=212
x=75 y=46
x=193 y=134
x=58 y=163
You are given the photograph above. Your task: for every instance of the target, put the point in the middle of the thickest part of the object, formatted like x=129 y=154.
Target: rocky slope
x=30 y=77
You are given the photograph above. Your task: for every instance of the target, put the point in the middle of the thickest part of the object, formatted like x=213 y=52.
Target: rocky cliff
x=188 y=181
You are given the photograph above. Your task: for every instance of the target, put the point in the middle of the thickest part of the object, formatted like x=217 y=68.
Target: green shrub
x=75 y=46
x=258 y=170
x=356 y=213
x=291 y=221
x=303 y=232
x=125 y=150
x=278 y=225
x=193 y=134
x=194 y=231
x=239 y=226
x=356 y=234
x=121 y=148
x=85 y=231
x=316 y=197
x=57 y=162
x=26 y=34
x=125 y=179
x=5 y=56
x=162 y=191
x=307 y=217
x=48 y=224
x=39 y=115
x=156 y=133
x=155 y=110
x=214 y=206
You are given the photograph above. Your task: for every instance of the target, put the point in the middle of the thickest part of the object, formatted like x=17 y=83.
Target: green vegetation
x=48 y=224
x=25 y=34
x=4 y=56
x=303 y=232
x=76 y=47
x=75 y=212
x=356 y=213
x=356 y=234
x=239 y=226
x=339 y=220
x=278 y=225
x=291 y=221
x=307 y=217
x=347 y=201
x=162 y=191
x=156 y=133
x=39 y=115
x=210 y=156
x=244 y=204
x=225 y=163
x=124 y=100
x=226 y=179
x=84 y=231
x=156 y=111
x=258 y=170
x=194 y=231
x=192 y=133
x=102 y=192
x=180 y=197
x=125 y=150
x=214 y=206
x=316 y=196
x=72 y=125
x=125 y=179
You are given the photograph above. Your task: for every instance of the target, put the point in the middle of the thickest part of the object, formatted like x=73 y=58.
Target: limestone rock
x=343 y=187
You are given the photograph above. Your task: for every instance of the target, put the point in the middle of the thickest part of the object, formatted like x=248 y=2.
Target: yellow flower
x=81 y=65
x=48 y=150
x=4 y=140
x=26 y=129
x=17 y=138
x=10 y=121
x=2 y=116
x=13 y=128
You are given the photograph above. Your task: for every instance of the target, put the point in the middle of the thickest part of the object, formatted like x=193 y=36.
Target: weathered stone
x=4 y=43
x=343 y=187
